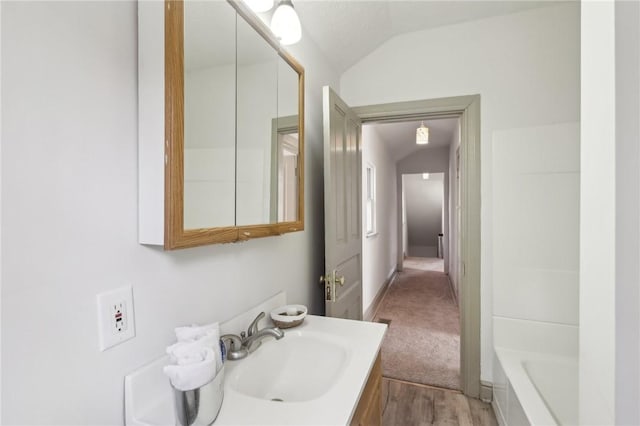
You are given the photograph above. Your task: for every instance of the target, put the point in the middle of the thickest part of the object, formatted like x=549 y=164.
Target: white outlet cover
x=116 y=322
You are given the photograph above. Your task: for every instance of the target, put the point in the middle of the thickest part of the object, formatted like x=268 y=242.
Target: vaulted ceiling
x=348 y=30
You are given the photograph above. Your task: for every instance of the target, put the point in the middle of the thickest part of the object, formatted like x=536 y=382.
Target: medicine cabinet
x=221 y=126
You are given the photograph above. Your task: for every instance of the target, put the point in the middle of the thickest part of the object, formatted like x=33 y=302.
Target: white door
x=342 y=208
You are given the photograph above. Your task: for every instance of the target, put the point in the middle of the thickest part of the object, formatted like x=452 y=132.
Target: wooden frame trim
x=468 y=109
x=174 y=121
x=175 y=236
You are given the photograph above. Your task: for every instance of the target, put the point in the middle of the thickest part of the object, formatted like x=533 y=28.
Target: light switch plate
x=116 y=321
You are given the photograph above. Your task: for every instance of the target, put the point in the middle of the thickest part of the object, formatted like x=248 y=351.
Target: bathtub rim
x=512 y=362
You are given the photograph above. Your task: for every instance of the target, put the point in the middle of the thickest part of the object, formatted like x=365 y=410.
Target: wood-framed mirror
x=234 y=127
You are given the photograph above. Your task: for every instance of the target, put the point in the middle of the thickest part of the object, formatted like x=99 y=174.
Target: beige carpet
x=422 y=344
x=424 y=263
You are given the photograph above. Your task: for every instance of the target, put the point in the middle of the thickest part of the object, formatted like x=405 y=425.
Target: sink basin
x=302 y=366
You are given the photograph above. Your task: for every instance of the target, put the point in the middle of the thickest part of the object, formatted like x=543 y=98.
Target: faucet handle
x=253 y=327
x=234 y=347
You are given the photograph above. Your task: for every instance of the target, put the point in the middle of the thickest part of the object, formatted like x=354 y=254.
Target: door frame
x=467 y=108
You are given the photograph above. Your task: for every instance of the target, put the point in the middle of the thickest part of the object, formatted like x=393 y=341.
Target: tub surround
x=149 y=399
x=535 y=372
x=535 y=336
x=535 y=388
x=536 y=183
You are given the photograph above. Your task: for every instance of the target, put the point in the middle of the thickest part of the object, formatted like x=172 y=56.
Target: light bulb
x=259 y=5
x=285 y=23
x=425 y=176
x=422 y=135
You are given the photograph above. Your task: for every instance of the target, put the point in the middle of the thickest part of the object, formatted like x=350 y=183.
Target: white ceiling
x=348 y=30
x=401 y=137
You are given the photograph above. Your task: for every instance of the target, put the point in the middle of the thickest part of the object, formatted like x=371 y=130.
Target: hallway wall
x=525 y=66
x=379 y=251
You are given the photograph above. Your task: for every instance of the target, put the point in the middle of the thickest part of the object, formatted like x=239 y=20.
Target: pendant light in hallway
x=422 y=134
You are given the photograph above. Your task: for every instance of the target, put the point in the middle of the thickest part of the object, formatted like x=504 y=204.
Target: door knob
x=329 y=283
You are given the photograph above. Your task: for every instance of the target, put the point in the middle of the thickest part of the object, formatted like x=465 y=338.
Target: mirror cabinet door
x=286 y=146
x=234 y=134
x=256 y=108
x=209 y=114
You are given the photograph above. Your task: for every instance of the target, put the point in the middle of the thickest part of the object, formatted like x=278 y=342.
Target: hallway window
x=370 y=205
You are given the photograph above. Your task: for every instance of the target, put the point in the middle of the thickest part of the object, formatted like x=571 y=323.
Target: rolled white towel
x=195 y=332
x=194 y=374
x=182 y=351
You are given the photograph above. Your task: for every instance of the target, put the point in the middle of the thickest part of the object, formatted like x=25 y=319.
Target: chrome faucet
x=233 y=346
x=239 y=347
x=253 y=339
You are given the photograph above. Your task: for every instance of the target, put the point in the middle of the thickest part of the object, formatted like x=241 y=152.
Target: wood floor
x=409 y=404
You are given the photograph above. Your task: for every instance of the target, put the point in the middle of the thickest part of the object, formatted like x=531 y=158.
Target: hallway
x=422 y=344
x=424 y=263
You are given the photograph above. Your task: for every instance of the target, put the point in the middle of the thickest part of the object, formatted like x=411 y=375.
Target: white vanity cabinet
x=369 y=409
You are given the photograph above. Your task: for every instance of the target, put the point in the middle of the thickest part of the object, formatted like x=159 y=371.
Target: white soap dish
x=289 y=315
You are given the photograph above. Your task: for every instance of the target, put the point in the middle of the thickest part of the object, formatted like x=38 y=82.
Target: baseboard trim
x=486 y=391
x=373 y=308
x=453 y=292
x=498 y=414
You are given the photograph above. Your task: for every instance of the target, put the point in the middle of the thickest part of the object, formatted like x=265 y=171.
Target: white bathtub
x=532 y=388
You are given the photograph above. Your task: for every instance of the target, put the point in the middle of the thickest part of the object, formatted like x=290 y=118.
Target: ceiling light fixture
x=422 y=135
x=259 y=5
x=285 y=23
x=425 y=176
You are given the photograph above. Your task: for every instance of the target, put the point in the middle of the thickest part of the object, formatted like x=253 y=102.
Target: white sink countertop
x=333 y=407
x=319 y=370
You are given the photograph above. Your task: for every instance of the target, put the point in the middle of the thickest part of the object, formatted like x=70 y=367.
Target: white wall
x=428 y=160
x=525 y=66
x=627 y=387
x=379 y=251
x=69 y=214
x=598 y=215
x=610 y=207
